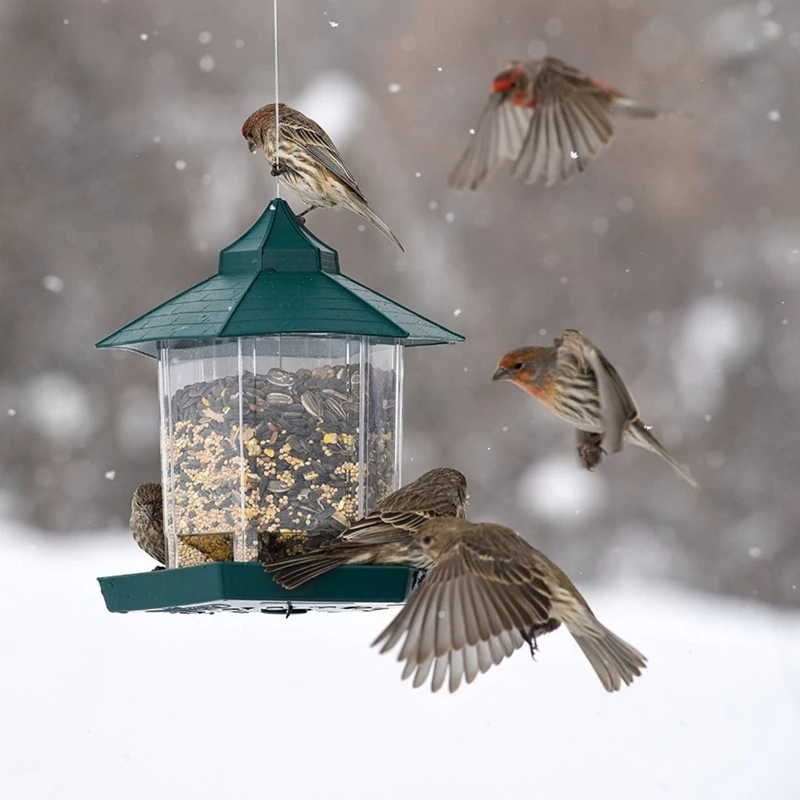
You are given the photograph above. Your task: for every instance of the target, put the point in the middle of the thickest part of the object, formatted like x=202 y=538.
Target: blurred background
x=677 y=252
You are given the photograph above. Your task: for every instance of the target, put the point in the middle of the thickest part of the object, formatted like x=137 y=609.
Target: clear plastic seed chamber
x=267 y=437
x=280 y=384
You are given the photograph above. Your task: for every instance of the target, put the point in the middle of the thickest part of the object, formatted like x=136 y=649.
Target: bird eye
x=517 y=366
x=427 y=539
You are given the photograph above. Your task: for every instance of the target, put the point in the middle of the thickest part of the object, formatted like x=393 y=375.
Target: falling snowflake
x=333 y=24
x=180 y=165
x=204 y=37
x=394 y=88
x=143 y=36
x=110 y=475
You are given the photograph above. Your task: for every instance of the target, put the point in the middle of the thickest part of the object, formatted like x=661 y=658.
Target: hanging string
x=277 y=120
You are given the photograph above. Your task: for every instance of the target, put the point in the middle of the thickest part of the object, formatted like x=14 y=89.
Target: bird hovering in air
x=308 y=163
x=576 y=382
x=382 y=537
x=547 y=117
x=489 y=593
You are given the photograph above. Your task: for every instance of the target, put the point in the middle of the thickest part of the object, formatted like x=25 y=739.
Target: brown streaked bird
x=309 y=163
x=576 y=382
x=383 y=536
x=489 y=592
x=147 y=521
x=547 y=117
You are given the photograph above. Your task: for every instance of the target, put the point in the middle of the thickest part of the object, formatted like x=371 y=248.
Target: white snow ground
x=95 y=705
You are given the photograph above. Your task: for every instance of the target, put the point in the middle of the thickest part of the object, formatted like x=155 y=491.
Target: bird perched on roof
x=383 y=536
x=547 y=117
x=308 y=163
x=147 y=521
x=576 y=382
x=490 y=592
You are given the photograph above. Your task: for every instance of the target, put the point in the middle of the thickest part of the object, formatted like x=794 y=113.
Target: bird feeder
x=280 y=389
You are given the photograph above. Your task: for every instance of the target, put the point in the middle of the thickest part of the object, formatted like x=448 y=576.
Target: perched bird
x=489 y=592
x=147 y=521
x=383 y=536
x=548 y=117
x=576 y=382
x=309 y=163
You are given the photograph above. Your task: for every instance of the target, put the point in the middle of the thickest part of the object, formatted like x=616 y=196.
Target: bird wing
x=498 y=136
x=385 y=527
x=473 y=595
x=569 y=126
x=617 y=406
x=319 y=146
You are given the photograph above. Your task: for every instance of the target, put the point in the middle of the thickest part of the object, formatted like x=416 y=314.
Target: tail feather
x=294 y=572
x=614 y=660
x=363 y=210
x=643 y=438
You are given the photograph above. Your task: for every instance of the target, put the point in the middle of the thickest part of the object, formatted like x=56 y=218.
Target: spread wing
x=498 y=137
x=617 y=406
x=569 y=127
x=468 y=614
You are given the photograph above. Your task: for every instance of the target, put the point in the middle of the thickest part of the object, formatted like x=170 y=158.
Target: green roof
x=277 y=278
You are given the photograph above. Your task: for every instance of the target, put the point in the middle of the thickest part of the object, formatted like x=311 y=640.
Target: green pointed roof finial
x=277 y=278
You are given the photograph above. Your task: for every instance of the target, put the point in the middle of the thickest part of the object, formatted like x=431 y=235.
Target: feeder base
x=244 y=587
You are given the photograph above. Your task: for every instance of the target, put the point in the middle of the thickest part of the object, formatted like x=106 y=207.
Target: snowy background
x=97 y=705
x=678 y=252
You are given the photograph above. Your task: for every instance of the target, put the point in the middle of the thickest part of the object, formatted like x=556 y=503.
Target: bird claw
x=278 y=169
x=590 y=451
x=530 y=639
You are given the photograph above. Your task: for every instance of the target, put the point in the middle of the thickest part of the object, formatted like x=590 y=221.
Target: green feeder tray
x=229 y=586
x=280 y=384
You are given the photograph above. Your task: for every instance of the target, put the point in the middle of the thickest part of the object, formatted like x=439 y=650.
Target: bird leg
x=529 y=637
x=302 y=214
x=278 y=169
x=590 y=451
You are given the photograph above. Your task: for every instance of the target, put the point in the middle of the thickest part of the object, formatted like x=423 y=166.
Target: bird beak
x=252 y=146
x=150 y=513
x=501 y=374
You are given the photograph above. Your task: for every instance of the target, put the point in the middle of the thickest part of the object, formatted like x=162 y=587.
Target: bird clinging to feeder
x=383 y=536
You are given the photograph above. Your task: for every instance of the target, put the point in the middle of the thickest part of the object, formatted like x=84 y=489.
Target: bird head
x=259 y=126
x=437 y=536
x=525 y=366
x=512 y=78
x=449 y=482
x=148 y=500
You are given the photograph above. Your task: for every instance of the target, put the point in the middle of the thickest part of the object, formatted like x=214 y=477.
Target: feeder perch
x=281 y=388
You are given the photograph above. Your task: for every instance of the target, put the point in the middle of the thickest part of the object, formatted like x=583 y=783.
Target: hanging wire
x=277 y=120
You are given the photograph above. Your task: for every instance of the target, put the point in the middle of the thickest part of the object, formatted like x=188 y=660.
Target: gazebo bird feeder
x=280 y=385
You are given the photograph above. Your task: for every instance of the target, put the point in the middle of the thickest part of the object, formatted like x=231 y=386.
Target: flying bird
x=489 y=593
x=309 y=163
x=547 y=117
x=147 y=521
x=576 y=382
x=383 y=536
